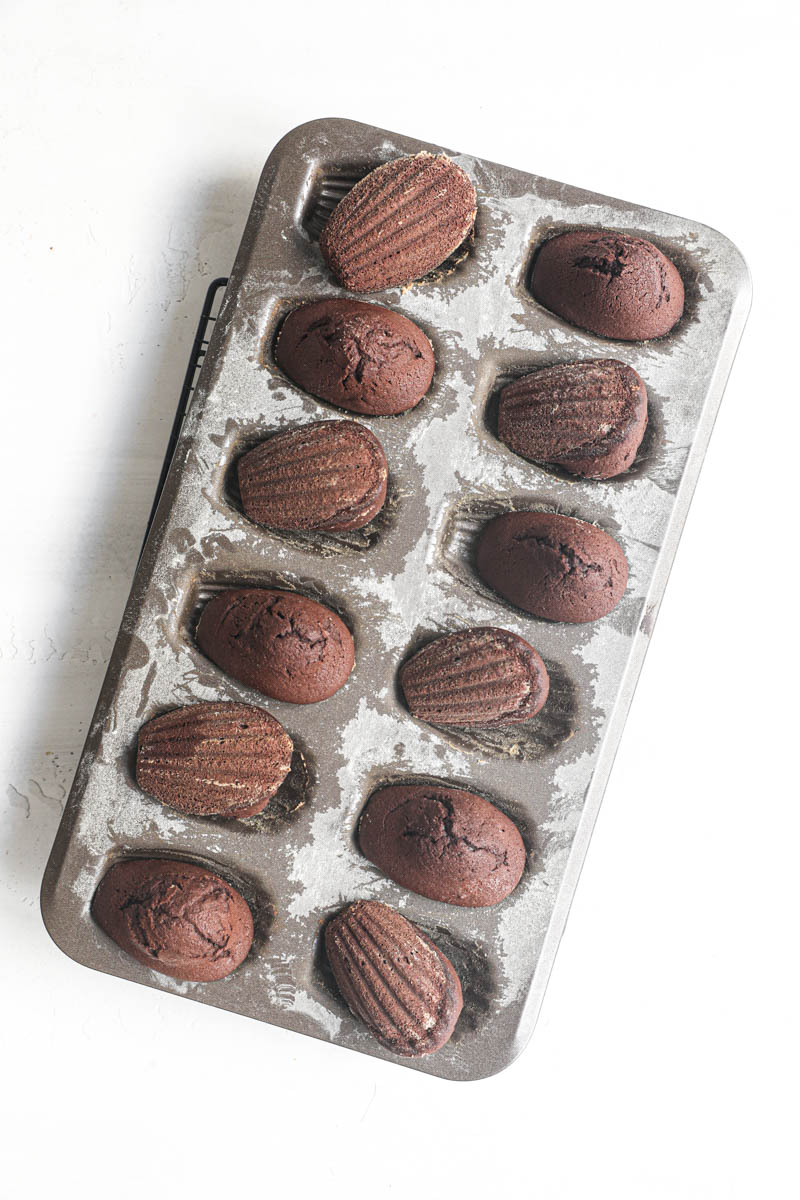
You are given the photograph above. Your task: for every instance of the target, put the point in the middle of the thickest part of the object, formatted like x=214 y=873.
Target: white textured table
x=134 y=136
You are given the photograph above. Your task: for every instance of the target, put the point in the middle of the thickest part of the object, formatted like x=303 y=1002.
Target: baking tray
x=409 y=576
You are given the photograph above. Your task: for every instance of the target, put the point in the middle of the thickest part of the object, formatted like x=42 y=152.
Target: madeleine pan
x=407 y=577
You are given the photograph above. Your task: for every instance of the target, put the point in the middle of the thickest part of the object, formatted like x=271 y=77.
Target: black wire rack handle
x=196 y=357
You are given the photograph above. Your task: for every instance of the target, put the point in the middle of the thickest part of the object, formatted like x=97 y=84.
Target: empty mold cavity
x=653 y=457
x=329 y=184
x=527 y=740
x=691 y=272
x=325 y=544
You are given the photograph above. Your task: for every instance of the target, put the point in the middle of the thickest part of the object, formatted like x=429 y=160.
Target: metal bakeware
x=405 y=578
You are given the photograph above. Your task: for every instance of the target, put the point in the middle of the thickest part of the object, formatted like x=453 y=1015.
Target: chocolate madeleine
x=224 y=759
x=280 y=643
x=588 y=417
x=552 y=566
x=393 y=978
x=442 y=842
x=610 y=283
x=358 y=356
x=399 y=222
x=330 y=476
x=175 y=917
x=481 y=676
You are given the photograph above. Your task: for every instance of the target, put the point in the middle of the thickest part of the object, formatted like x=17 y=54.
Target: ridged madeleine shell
x=399 y=222
x=393 y=978
x=330 y=476
x=481 y=676
x=220 y=759
x=588 y=417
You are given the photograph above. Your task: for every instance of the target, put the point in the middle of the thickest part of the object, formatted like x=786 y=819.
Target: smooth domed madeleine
x=393 y=978
x=361 y=357
x=177 y=918
x=588 y=417
x=284 y=645
x=552 y=566
x=217 y=759
x=442 y=842
x=329 y=476
x=481 y=676
x=612 y=284
x=399 y=222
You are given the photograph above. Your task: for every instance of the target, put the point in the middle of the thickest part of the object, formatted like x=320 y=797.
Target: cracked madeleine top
x=360 y=357
x=552 y=566
x=442 y=842
x=175 y=917
x=610 y=283
x=284 y=645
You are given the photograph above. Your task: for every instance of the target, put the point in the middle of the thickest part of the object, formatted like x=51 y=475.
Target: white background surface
x=665 y=1060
